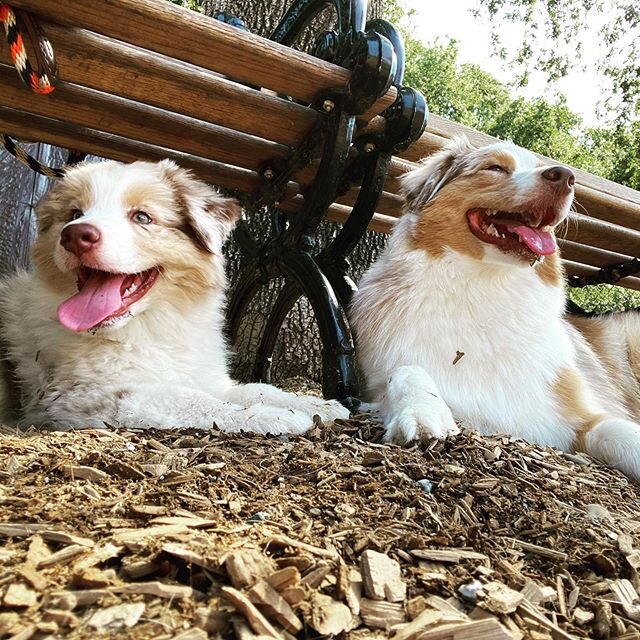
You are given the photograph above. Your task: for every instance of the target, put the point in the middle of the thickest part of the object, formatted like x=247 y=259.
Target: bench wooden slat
x=593 y=256
x=575 y=268
x=446 y=129
x=93 y=61
x=186 y=35
x=122 y=117
x=596 y=233
x=62 y=134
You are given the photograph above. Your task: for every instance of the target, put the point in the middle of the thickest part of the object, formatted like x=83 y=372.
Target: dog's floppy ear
x=422 y=184
x=209 y=216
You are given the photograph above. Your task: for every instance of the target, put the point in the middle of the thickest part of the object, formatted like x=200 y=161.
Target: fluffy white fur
x=161 y=364
x=438 y=291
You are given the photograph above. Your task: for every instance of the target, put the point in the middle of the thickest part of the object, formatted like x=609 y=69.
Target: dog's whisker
x=584 y=211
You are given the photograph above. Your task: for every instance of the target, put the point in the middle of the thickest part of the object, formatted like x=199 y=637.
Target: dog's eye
x=141 y=217
x=76 y=213
x=497 y=168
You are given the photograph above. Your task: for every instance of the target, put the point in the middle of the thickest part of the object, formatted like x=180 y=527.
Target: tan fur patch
x=550 y=271
x=572 y=396
x=607 y=337
x=442 y=225
x=139 y=196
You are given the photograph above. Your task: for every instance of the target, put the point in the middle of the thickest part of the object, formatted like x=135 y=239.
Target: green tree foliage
x=469 y=95
x=554 y=33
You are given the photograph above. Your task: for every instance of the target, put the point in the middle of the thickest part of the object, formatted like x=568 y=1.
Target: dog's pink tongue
x=98 y=299
x=542 y=243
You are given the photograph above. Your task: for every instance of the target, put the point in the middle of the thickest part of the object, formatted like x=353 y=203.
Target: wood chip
x=285 y=541
x=477 y=630
x=191 y=522
x=211 y=620
x=378 y=614
x=274 y=606
x=92 y=578
x=11 y=530
x=18 y=595
x=449 y=555
x=77 y=472
x=191 y=634
x=61 y=617
x=66 y=538
x=582 y=616
x=159 y=589
x=427 y=619
x=529 y=614
x=246 y=567
x=149 y=509
x=353 y=593
x=328 y=616
x=62 y=557
x=117 y=617
x=38 y=550
x=35 y=579
x=381 y=577
x=294 y=595
x=255 y=619
x=498 y=598
x=136 y=535
x=628 y=598
x=315 y=577
x=552 y=554
x=284 y=578
x=189 y=556
x=538 y=594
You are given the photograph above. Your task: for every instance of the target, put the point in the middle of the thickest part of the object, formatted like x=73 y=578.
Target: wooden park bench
x=315 y=136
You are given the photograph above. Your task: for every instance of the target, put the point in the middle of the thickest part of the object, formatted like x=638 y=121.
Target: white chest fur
x=493 y=340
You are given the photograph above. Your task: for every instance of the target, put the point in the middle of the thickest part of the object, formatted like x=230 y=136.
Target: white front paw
x=263 y=419
x=420 y=422
x=328 y=410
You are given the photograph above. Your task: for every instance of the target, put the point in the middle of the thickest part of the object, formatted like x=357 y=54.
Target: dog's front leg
x=413 y=409
x=253 y=394
x=161 y=407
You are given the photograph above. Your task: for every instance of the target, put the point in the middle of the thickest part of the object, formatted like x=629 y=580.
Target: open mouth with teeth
x=514 y=232
x=103 y=296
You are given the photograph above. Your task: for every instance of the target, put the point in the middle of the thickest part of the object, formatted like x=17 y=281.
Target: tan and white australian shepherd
x=463 y=316
x=122 y=321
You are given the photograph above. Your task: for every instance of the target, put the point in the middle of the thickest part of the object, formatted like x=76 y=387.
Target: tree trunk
x=297 y=356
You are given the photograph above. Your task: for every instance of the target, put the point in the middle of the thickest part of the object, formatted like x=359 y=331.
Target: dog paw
x=328 y=410
x=265 y=420
x=616 y=441
x=420 y=422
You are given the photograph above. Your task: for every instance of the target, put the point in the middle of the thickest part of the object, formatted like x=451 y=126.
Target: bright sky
x=452 y=18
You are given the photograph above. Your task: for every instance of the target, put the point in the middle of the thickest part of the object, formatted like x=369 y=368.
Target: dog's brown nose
x=79 y=238
x=561 y=175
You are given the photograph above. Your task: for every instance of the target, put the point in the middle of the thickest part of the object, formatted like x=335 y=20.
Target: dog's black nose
x=560 y=174
x=79 y=238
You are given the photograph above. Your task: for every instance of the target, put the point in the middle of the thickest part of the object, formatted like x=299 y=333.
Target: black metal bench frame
x=374 y=51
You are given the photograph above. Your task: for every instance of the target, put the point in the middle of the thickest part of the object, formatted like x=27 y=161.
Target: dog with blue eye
x=121 y=322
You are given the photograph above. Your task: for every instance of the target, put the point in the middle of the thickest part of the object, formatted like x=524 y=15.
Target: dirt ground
x=189 y=535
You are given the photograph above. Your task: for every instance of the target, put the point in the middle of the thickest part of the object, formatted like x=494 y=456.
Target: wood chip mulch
x=190 y=535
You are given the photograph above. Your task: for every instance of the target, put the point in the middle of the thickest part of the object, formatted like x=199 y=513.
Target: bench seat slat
x=62 y=134
x=87 y=59
x=122 y=117
x=189 y=36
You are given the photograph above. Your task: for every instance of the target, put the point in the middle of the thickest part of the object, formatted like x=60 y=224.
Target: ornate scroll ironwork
x=374 y=52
